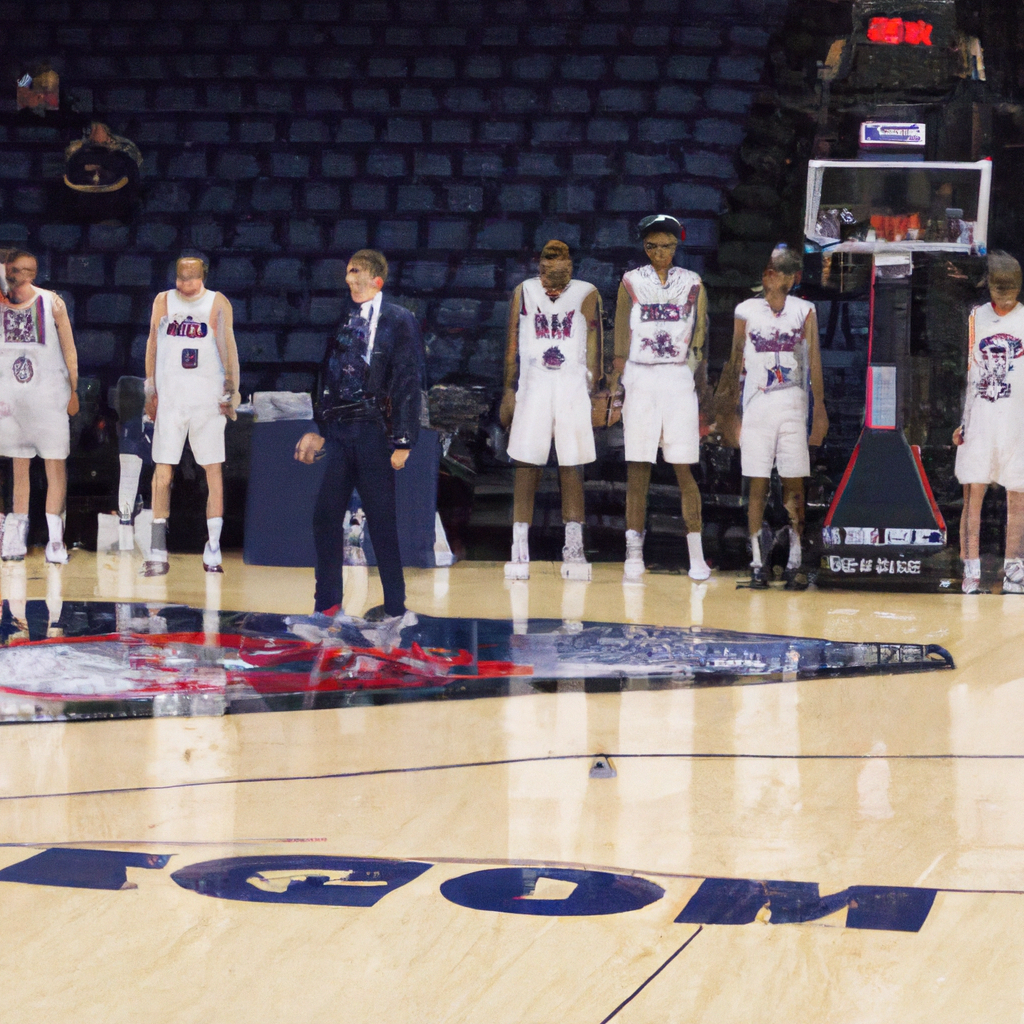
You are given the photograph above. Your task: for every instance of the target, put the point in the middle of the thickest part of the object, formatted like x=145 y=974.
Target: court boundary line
x=647 y=982
x=498 y=762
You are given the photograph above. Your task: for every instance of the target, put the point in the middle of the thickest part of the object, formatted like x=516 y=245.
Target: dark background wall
x=455 y=136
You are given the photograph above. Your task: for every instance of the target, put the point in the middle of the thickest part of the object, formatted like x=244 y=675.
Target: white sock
x=213 y=529
x=795 y=553
x=972 y=568
x=128 y=485
x=158 y=543
x=755 y=552
x=520 y=542
x=55 y=524
x=693 y=542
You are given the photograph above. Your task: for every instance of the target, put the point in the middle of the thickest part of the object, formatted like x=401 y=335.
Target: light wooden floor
x=912 y=780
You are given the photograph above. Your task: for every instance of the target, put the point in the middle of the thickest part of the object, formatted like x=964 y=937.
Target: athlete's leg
x=56 y=495
x=56 y=486
x=212 y=557
x=524 y=491
x=215 y=488
x=163 y=474
x=570 y=479
x=689 y=495
x=638 y=483
x=1013 y=566
x=970 y=521
x=21 y=485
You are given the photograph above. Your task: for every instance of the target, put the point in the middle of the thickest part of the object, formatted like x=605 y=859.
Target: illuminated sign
x=895 y=30
x=891 y=133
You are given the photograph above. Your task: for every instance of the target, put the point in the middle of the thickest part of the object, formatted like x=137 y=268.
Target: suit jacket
x=394 y=379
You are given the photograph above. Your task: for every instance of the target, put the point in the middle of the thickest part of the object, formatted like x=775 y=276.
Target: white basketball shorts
x=774 y=433
x=34 y=421
x=203 y=425
x=660 y=410
x=993 y=448
x=552 y=404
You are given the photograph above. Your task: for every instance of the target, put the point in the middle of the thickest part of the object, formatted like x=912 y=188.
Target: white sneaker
x=212 y=558
x=1013 y=576
x=971 y=584
x=15 y=539
x=574 y=562
x=634 y=567
x=56 y=553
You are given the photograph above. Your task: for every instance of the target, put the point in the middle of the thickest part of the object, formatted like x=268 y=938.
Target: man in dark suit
x=369 y=400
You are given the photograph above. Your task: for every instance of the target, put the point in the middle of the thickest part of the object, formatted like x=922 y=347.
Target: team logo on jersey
x=553 y=358
x=25 y=326
x=189 y=358
x=776 y=340
x=652 y=312
x=660 y=345
x=779 y=376
x=22 y=369
x=187 y=328
x=997 y=354
x=665 y=311
x=556 y=328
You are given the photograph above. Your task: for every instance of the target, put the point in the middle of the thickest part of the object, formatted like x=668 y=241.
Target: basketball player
x=191 y=386
x=991 y=438
x=38 y=394
x=552 y=362
x=660 y=328
x=775 y=340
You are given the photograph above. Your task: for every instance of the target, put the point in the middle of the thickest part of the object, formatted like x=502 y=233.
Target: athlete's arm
x=593 y=313
x=623 y=309
x=727 y=395
x=961 y=431
x=224 y=332
x=696 y=357
x=508 y=399
x=159 y=312
x=68 y=350
x=819 y=418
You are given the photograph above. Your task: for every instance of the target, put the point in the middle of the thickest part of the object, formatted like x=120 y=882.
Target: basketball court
x=840 y=848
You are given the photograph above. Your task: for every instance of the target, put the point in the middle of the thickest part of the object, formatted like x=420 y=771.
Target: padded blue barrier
x=282 y=493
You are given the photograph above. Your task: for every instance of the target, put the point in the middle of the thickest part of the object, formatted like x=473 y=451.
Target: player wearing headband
x=660 y=331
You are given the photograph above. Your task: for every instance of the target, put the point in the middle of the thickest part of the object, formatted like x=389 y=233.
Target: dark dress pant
x=358 y=456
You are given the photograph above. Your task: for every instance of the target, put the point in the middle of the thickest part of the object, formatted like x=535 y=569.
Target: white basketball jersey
x=30 y=354
x=553 y=332
x=997 y=358
x=662 y=318
x=775 y=353
x=187 y=359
